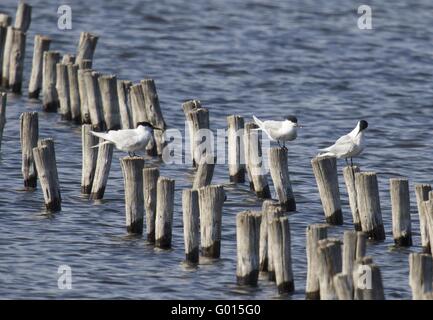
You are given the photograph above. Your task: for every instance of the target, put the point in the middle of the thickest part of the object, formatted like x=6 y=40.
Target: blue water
x=306 y=58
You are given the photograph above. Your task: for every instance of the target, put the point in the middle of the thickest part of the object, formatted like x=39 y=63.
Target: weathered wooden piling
x=16 y=60
x=86 y=47
x=235 y=148
x=23 y=16
x=420 y=274
x=110 y=101
x=349 y=179
x=367 y=280
x=6 y=57
x=281 y=255
x=62 y=87
x=150 y=182
x=3 y=100
x=82 y=89
x=132 y=169
x=3 y=31
x=94 y=101
x=153 y=112
x=136 y=97
x=42 y=44
x=29 y=134
x=89 y=156
x=49 y=143
x=191 y=225
x=188 y=106
x=343 y=286
x=5 y=19
x=329 y=264
x=102 y=170
x=401 y=223
x=199 y=119
x=325 y=172
x=271 y=210
x=354 y=245
x=125 y=110
x=164 y=212
x=74 y=92
x=68 y=59
x=315 y=232
x=50 y=98
x=211 y=200
x=422 y=194
x=247 y=241
x=204 y=173
x=46 y=167
x=367 y=191
x=428 y=209
x=254 y=162
x=278 y=165
x=84 y=64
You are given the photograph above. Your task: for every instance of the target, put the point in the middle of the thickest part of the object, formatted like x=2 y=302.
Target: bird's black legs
x=278 y=141
x=347 y=162
x=284 y=145
x=132 y=154
x=129 y=154
x=351 y=162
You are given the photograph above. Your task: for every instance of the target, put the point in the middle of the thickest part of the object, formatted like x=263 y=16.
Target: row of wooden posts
x=101 y=102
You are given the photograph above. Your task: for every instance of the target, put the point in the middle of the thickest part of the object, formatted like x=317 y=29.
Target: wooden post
x=153 y=112
x=270 y=210
x=84 y=64
x=199 y=119
x=41 y=45
x=188 y=106
x=136 y=98
x=367 y=191
x=349 y=179
x=191 y=225
x=281 y=255
x=110 y=101
x=16 y=60
x=50 y=98
x=150 y=181
x=49 y=143
x=74 y=92
x=132 y=168
x=3 y=31
x=123 y=87
x=3 y=99
x=45 y=162
x=401 y=224
x=354 y=246
x=164 y=212
x=247 y=240
x=82 y=89
x=343 y=286
x=420 y=274
x=278 y=164
x=102 y=170
x=23 y=16
x=94 y=102
x=6 y=57
x=325 y=171
x=315 y=232
x=5 y=20
x=329 y=264
x=371 y=288
x=62 y=87
x=235 y=149
x=422 y=194
x=68 y=58
x=211 y=200
x=29 y=134
x=204 y=173
x=89 y=156
x=86 y=47
x=428 y=209
x=254 y=162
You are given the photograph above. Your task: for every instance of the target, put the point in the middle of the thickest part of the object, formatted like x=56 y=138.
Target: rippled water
x=244 y=57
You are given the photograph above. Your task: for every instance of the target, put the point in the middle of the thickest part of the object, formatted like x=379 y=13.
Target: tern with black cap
x=280 y=131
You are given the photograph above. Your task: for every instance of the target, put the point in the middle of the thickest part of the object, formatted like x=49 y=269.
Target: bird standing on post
x=128 y=140
x=349 y=145
x=283 y=131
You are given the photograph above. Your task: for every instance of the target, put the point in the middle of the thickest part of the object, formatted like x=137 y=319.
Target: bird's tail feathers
x=100 y=144
x=99 y=134
x=258 y=122
x=323 y=154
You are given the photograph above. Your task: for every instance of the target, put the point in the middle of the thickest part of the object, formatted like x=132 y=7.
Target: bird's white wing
x=123 y=138
x=342 y=146
x=272 y=128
